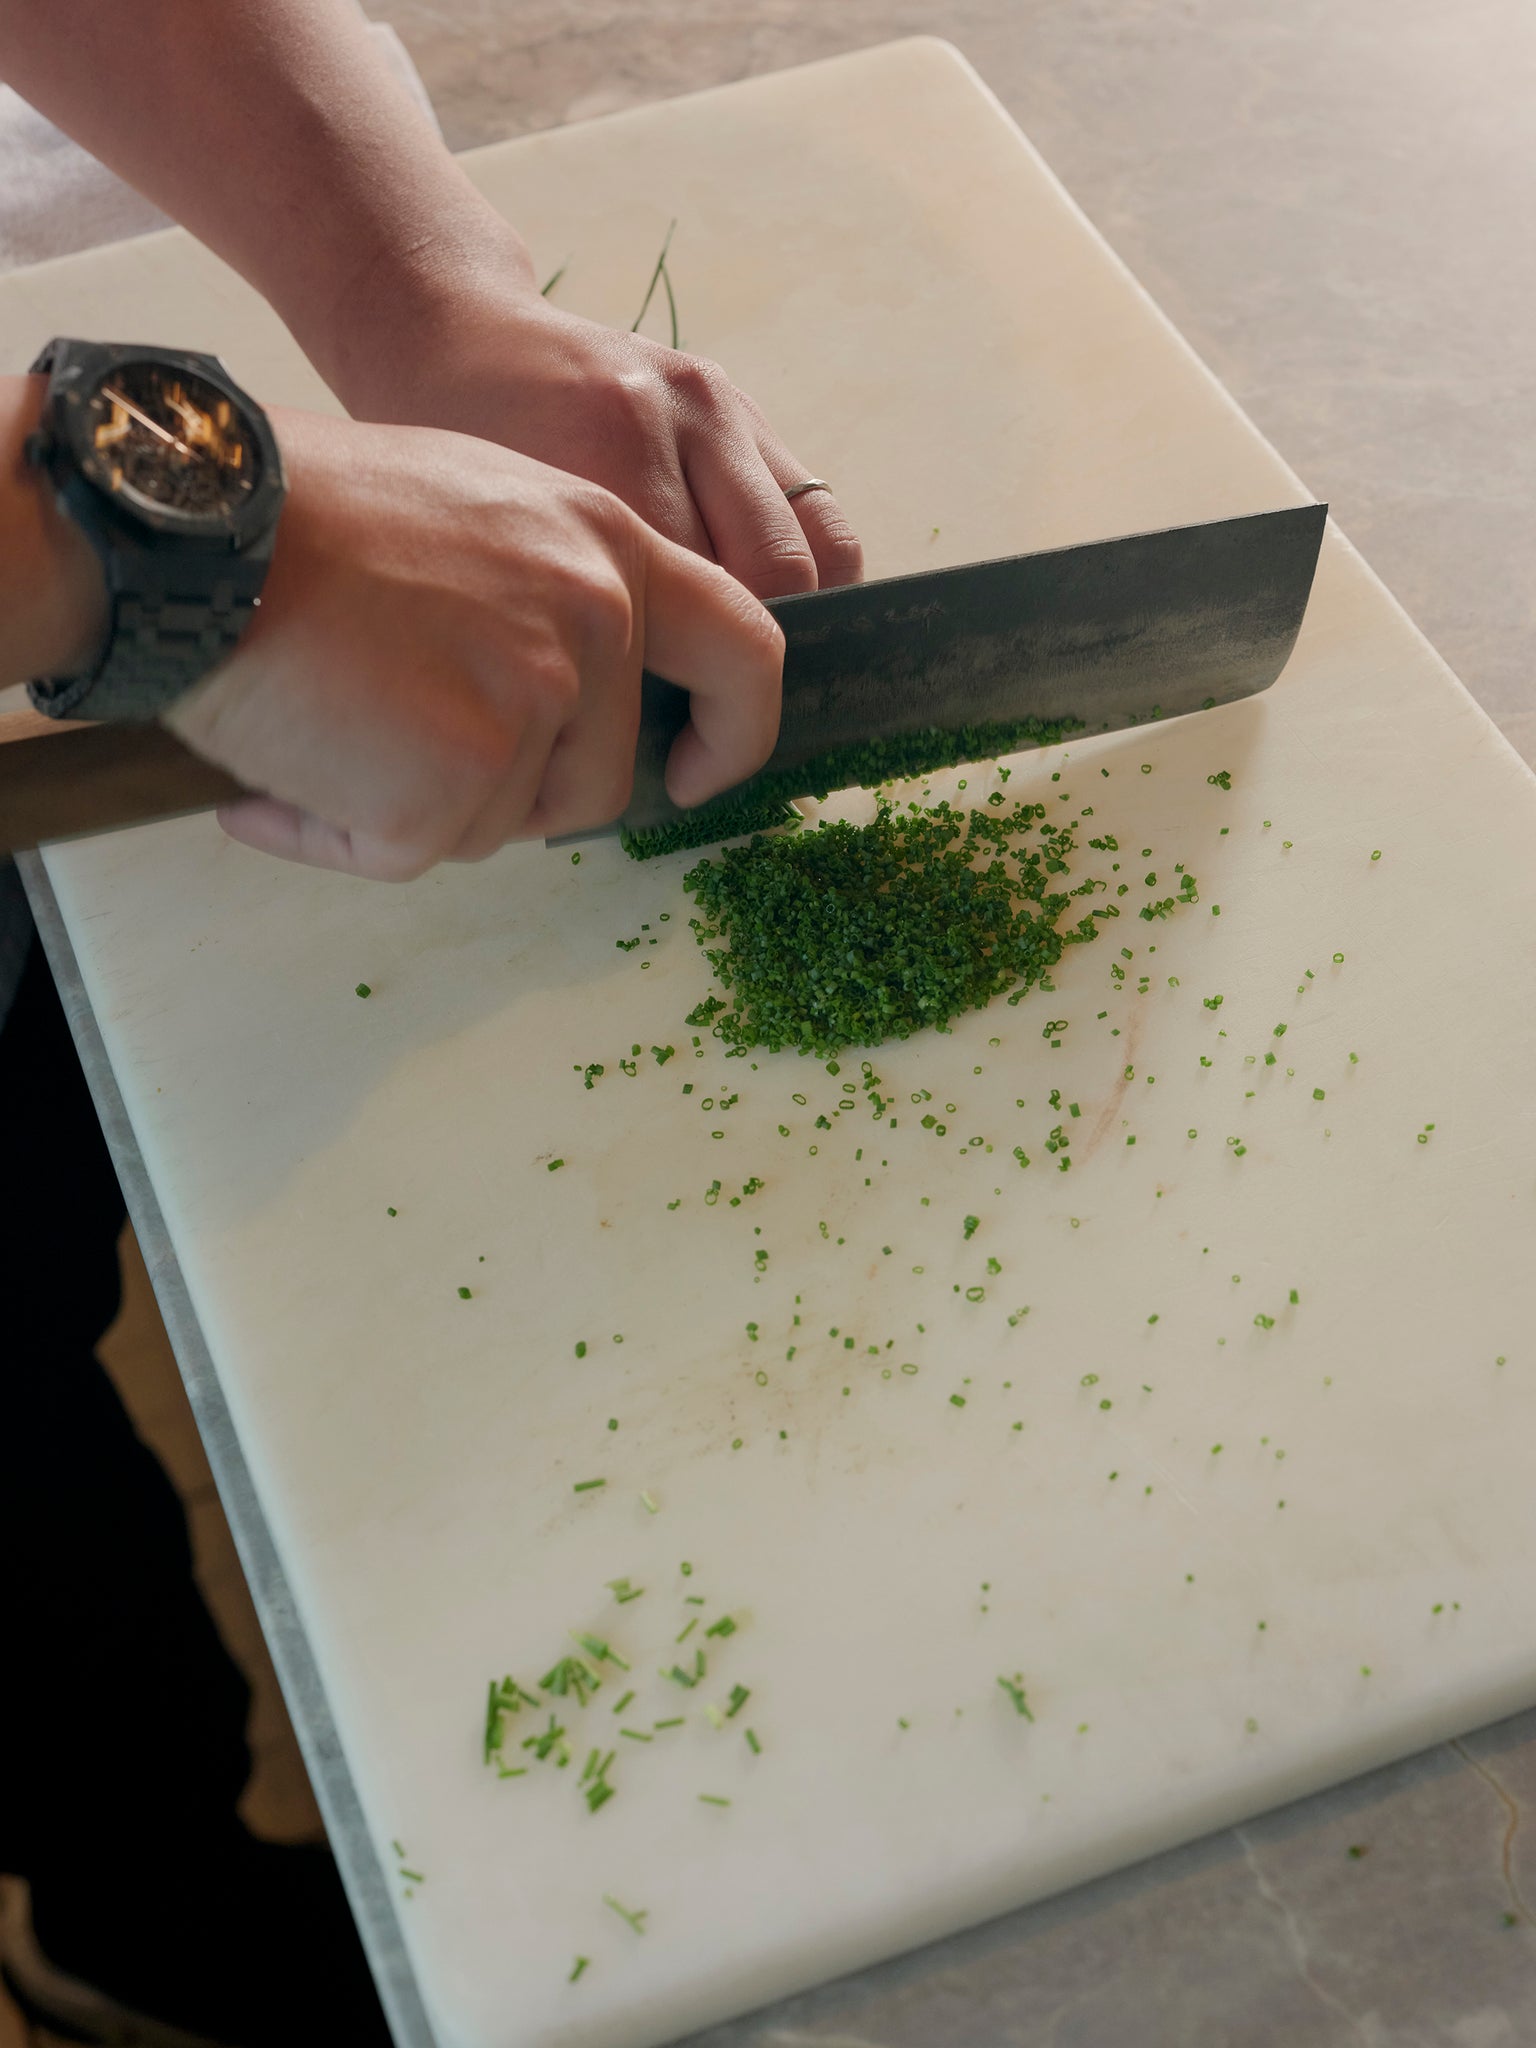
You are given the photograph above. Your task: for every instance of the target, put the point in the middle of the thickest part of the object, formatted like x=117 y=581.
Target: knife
x=1095 y=637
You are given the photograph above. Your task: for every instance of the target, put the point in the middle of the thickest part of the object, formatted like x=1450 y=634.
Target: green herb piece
x=570 y=1675
x=739 y=1696
x=725 y=1626
x=970 y=1226
x=752 y=1742
x=363 y=989
x=464 y=1294
x=588 y=1485
x=620 y=1705
x=598 y=1650
x=635 y=1918
x=712 y=1799
x=675 y=1722
x=1014 y=1687
x=656 y=277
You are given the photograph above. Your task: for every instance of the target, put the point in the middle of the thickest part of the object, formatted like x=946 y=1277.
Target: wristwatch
x=172 y=473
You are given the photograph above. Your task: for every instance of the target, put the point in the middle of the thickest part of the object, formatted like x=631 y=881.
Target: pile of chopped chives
x=854 y=934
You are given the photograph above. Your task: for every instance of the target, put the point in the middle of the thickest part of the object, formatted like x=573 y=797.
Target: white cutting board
x=872 y=248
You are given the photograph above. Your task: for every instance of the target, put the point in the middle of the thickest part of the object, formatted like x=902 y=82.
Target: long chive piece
x=650 y=290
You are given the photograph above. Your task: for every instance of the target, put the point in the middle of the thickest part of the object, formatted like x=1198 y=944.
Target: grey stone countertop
x=1334 y=201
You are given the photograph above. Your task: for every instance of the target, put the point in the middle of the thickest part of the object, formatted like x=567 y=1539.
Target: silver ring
x=812 y=483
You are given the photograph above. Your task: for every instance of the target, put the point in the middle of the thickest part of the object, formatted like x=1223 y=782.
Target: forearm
x=276 y=133
x=52 y=594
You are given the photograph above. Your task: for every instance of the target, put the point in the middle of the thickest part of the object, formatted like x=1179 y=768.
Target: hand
x=664 y=430
x=448 y=656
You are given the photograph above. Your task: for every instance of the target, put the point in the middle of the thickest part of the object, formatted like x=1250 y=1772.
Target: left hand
x=664 y=430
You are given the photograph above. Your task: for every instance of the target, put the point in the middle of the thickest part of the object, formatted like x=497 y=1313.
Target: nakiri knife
x=1095 y=637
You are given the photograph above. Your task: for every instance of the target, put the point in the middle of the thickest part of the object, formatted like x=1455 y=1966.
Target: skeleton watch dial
x=172 y=441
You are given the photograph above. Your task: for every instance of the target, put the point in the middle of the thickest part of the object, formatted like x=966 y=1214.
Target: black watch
x=173 y=475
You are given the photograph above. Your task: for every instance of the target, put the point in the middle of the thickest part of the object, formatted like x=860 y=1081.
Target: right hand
x=448 y=653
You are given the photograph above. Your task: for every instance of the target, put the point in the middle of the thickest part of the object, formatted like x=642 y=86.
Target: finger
x=512 y=798
x=752 y=527
x=705 y=631
x=289 y=833
x=666 y=504
x=592 y=762
x=834 y=545
x=654 y=486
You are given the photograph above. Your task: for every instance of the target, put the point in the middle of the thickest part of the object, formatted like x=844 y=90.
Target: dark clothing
x=122 y=1716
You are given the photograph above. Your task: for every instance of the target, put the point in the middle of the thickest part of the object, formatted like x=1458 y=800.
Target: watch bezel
x=76 y=382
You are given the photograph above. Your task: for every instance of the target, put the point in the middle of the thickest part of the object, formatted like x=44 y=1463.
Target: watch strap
x=159 y=643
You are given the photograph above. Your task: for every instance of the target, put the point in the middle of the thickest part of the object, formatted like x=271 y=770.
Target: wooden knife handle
x=59 y=778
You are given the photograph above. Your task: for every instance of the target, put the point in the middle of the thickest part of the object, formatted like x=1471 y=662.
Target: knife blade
x=1104 y=635
x=1108 y=634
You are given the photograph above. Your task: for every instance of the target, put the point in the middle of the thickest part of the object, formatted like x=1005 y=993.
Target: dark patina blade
x=1086 y=639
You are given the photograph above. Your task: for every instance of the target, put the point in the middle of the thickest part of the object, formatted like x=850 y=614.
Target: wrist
x=405 y=302
x=54 y=617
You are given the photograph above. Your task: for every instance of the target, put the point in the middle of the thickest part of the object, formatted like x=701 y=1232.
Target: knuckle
x=472 y=754
x=551 y=678
x=699 y=380
x=842 y=554
x=780 y=566
x=609 y=608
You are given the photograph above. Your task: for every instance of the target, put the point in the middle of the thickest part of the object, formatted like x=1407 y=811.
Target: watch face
x=172 y=441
